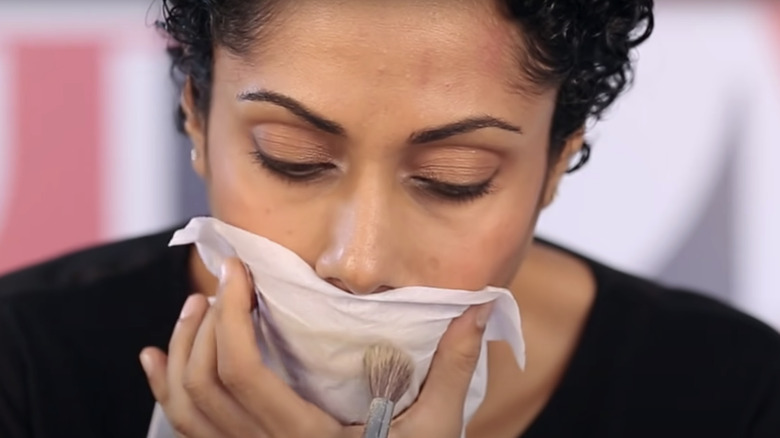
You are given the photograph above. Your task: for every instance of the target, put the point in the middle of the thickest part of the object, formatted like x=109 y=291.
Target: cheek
x=244 y=195
x=485 y=249
x=232 y=181
x=489 y=254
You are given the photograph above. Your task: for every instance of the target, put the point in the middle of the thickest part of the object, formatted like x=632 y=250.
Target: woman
x=388 y=145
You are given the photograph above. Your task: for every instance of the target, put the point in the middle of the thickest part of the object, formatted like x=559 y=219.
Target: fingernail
x=188 y=308
x=483 y=314
x=146 y=362
x=223 y=273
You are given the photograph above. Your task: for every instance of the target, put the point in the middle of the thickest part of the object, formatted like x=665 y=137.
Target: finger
x=453 y=365
x=239 y=364
x=181 y=412
x=155 y=363
x=206 y=391
x=183 y=337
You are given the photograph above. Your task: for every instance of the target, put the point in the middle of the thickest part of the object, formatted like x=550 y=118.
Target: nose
x=359 y=255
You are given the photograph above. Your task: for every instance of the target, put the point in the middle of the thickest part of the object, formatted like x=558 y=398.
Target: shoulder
x=665 y=360
x=88 y=266
x=671 y=348
x=86 y=314
x=662 y=310
x=689 y=319
x=94 y=290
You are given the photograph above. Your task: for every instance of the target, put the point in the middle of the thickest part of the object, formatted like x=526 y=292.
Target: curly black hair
x=582 y=46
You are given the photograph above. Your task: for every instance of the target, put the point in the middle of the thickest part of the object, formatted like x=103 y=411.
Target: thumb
x=455 y=361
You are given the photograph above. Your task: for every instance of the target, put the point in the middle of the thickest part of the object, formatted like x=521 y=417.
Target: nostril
x=338 y=283
x=356 y=290
x=381 y=289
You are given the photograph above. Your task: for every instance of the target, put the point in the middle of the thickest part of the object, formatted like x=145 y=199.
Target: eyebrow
x=428 y=135
x=464 y=126
x=295 y=107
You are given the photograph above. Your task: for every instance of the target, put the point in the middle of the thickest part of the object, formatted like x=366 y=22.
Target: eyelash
x=292 y=172
x=309 y=172
x=456 y=192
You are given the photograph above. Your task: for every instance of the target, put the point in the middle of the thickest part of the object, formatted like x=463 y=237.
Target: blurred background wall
x=682 y=187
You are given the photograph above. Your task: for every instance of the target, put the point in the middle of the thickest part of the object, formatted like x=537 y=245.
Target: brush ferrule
x=380 y=414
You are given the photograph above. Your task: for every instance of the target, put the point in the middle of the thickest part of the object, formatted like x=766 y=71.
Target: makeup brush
x=389 y=372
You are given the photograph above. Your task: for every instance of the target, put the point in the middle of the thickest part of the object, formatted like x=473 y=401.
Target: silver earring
x=193 y=154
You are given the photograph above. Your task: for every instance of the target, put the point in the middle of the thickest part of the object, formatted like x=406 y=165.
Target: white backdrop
x=706 y=103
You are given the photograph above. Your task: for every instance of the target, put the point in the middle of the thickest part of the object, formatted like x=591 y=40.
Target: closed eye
x=290 y=171
x=455 y=192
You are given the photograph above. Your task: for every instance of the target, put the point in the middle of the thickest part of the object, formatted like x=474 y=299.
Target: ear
x=558 y=169
x=195 y=127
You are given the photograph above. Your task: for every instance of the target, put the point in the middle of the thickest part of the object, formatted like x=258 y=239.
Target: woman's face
x=387 y=145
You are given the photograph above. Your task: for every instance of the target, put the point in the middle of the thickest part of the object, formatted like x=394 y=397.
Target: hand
x=213 y=383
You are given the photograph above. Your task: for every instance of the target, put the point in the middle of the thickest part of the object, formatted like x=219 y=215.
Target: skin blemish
x=434 y=263
x=425 y=69
x=491 y=48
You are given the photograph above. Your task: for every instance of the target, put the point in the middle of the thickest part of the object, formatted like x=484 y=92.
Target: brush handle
x=380 y=414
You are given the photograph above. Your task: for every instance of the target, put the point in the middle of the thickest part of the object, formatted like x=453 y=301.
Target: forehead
x=399 y=37
x=404 y=54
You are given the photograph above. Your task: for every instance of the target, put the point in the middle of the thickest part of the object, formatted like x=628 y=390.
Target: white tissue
x=327 y=330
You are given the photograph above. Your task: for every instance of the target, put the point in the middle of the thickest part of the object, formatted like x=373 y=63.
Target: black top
x=651 y=362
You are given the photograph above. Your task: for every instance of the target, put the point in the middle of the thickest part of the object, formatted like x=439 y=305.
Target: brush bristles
x=389 y=371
